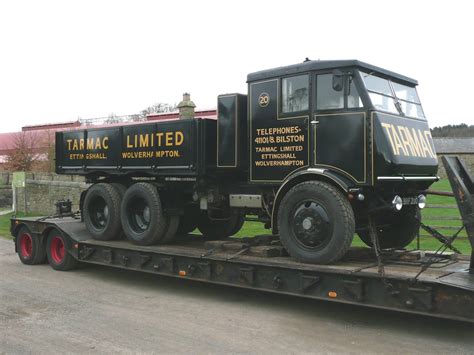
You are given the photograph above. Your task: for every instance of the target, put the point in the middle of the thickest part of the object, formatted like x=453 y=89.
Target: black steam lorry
x=317 y=152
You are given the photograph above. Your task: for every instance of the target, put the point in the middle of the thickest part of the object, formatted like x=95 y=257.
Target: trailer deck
x=445 y=289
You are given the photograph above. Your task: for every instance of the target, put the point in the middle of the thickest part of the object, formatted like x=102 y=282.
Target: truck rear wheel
x=316 y=223
x=219 y=229
x=142 y=215
x=30 y=249
x=396 y=229
x=102 y=211
x=57 y=251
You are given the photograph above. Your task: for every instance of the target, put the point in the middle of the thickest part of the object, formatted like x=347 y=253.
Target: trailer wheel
x=102 y=211
x=316 y=223
x=142 y=215
x=395 y=230
x=219 y=229
x=57 y=251
x=30 y=250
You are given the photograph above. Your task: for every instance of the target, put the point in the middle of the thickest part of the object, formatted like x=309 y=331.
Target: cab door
x=339 y=127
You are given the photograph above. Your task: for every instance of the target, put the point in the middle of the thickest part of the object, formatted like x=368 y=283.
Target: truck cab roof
x=316 y=65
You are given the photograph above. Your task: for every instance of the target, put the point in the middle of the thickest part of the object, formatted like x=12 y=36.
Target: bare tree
x=159 y=107
x=24 y=152
x=113 y=118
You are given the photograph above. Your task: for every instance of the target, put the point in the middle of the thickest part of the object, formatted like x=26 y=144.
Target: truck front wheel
x=102 y=211
x=316 y=223
x=142 y=216
x=395 y=229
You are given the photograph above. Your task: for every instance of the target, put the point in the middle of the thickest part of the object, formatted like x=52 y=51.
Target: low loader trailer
x=317 y=152
x=415 y=281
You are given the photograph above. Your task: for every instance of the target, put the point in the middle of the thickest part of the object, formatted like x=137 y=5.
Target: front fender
x=327 y=175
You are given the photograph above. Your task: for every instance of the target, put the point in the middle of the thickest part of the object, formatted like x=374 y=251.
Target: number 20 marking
x=264 y=99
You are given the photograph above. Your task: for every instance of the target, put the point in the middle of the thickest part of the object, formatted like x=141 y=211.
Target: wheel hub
x=311 y=225
x=139 y=214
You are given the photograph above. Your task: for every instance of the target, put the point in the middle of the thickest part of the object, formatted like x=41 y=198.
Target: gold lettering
x=179 y=139
x=159 y=135
x=143 y=140
x=97 y=144
x=429 y=140
x=105 y=143
x=74 y=145
x=414 y=142
x=90 y=143
x=387 y=129
x=69 y=141
x=169 y=138
x=398 y=143
x=128 y=142
x=81 y=144
x=406 y=143
x=423 y=143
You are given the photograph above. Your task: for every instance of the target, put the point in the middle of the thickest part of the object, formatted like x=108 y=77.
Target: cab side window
x=326 y=97
x=329 y=99
x=295 y=94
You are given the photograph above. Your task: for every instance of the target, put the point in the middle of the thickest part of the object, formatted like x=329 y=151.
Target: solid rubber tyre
x=316 y=222
x=189 y=220
x=57 y=247
x=220 y=229
x=102 y=211
x=29 y=247
x=395 y=229
x=171 y=230
x=142 y=216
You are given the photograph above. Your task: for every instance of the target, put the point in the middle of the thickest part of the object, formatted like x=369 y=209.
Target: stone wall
x=44 y=189
x=468 y=160
x=6 y=194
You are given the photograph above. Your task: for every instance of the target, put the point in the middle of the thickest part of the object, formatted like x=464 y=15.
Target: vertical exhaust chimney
x=186 y=107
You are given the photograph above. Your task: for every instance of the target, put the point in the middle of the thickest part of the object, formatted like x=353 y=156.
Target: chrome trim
x=316 y=170
x=406 y=178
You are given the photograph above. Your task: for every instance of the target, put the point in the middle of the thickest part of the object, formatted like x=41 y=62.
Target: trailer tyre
x=395 y=230
x=219 y=229
x=57 y=250
x=142 y=215
x=316 y=223
x=102 y=211
x=30 y=249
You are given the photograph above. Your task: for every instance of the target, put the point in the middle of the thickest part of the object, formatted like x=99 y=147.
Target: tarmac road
x=98 y=309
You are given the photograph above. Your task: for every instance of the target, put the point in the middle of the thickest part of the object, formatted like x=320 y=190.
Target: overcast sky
x=61 y=60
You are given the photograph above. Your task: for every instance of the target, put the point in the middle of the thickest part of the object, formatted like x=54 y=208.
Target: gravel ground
x=98 y=309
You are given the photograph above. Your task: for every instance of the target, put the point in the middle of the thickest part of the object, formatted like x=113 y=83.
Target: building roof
x=311 y=65
x=454 y=145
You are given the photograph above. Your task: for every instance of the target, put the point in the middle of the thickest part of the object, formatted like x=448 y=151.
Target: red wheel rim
x=57 y=249
x=26 y=245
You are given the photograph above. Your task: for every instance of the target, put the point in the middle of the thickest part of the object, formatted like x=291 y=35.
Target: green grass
x=429 y=217
x=5 y=222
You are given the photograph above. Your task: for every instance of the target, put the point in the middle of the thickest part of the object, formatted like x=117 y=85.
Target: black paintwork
x=182 y=147
x=268 y=117
x=325 y=65
x=349 y=144
x=341 y=144
x=447 y=291
x=232 y=149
